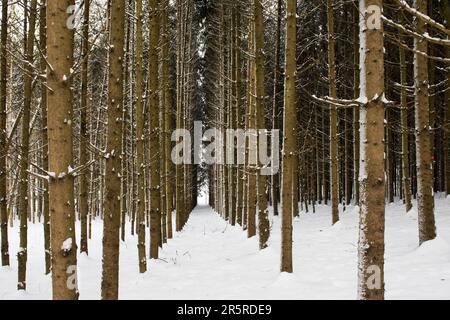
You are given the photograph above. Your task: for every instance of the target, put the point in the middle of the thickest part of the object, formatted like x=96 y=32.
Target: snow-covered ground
x=212 y=260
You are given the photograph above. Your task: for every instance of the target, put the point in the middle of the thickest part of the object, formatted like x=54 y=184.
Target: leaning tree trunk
x=289 y=146
x=112 y=208
x=372 y=179
x=424 y=154
x=3 y=144
x=61 y=182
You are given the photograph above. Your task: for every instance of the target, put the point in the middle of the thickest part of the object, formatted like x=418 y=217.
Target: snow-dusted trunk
x=333 y=116
x=61 y=182
x=155 y=194
x=424 y=153
x=111 y=207
x=372 y=178
x=289 y=145
x=24 y=199
x=4 y=149
x=140 y=228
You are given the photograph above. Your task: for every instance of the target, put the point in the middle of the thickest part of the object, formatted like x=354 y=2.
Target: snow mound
x=434 y=248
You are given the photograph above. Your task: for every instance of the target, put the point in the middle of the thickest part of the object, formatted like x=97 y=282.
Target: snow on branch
x=423 y=17
x=425 y=36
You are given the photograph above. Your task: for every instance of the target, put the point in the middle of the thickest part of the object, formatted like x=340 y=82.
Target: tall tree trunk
x=140 y=142
x=424 y=154
x=84 y=134
x=356 y=116
x=180 y=205
x=405 y=129
x=372 y=179
x=239 y=117
x=167 y=118
x=334 y=142
x=3 y=137
x=61 y=185
x=446 y=139
x=233 y=112
x=252 y=145
x=155 y=195
x=44 y=132
x=24 y=151
x=289 y=129
x=112 y=209
x=276 y=101
x=263 y=214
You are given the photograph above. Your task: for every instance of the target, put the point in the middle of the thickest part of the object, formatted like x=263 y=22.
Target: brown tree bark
x=24 y=150
x=289 y=145
x=263 y=214
x=446 y=139
x=372 y=179
x=44 y=133
x=111 y=207
x=155 y=195
x=251 y=145
x=166 y=101
x=3 y=137
x=334 y=142
x=140 y=143
x=84 y=134
x=276 y=102
x=405 y=130
x=424 y=154
x=180 y=199
x=61 y=182
x=356 y=116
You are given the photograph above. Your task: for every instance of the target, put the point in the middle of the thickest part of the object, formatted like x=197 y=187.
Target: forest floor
x=212 y=260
